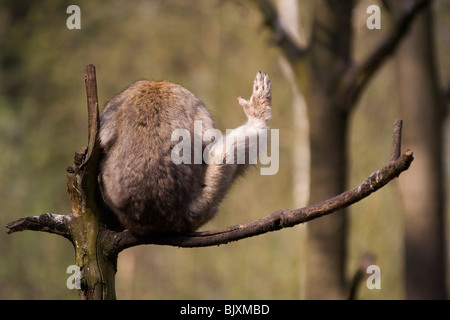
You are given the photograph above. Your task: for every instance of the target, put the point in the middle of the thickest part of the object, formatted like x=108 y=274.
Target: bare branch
x=90 y=164
x=47 y=222
x=97 y=247
x=118 y=241
x=90 y=80
x=281 y=37
x=112 y=242
x=358 y=75
x=365 y=261
x=397 y=140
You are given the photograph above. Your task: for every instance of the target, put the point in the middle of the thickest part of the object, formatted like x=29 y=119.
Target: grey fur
x=140 y=183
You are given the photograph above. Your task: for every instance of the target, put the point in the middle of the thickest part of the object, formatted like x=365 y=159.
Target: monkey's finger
x=258 y=80
x=244 y=103
x=267 y=87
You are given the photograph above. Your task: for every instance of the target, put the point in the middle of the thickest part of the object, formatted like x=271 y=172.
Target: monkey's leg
x=223 y=165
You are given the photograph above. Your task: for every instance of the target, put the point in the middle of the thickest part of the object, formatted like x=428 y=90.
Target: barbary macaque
x=139 y=180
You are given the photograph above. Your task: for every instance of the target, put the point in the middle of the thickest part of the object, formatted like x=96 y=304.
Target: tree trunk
x=289 y=15
x=325 y=63
x=422 y=189
x=327 y=238
x=331 y=83
x=97 y=238
x=87 y=220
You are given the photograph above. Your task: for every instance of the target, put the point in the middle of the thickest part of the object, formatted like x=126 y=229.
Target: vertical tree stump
x=85 y=226
x=98 y=239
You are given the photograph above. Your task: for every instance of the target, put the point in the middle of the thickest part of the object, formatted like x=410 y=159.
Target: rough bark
x=422 y=189
x=97 y=241
x=331 y=83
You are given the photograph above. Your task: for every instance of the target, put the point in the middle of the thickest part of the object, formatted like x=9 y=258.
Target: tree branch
x=359 y=75
x=397 y=140
x=118 y=241
x=47 y=222
x=90 y=80
x=113 y=242
x=97 y=247
x=281 y=37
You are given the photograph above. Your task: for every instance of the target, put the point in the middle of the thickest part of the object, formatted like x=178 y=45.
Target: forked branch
x=113 y=242
x=118 y=241
x=359 y=74
x=97 y=246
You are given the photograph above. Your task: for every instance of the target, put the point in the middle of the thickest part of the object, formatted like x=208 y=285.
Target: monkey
x=139 y=181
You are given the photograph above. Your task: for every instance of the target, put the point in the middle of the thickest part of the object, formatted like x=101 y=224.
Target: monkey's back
x=146 y=190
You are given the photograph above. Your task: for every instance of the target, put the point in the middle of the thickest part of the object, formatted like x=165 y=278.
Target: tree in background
x=210 y=46
x=422 y=190
x=206 y=46
x=332 y=82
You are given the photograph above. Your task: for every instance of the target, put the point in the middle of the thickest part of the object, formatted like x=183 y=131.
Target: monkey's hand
x=259 y=105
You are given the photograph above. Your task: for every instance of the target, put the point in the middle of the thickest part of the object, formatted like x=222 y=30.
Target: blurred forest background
x=213 y=48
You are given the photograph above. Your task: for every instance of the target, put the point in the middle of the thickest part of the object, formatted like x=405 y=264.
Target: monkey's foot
x=259 y=105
